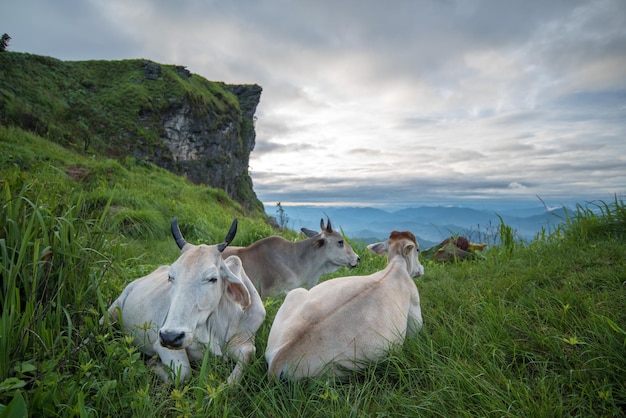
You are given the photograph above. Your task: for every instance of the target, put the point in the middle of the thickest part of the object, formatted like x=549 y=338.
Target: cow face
x=410 y=251
x=404 y=244
x=198 y=281
x=336 y=250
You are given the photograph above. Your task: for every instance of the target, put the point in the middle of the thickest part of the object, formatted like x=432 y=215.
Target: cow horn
x=328 y=228
x=180 y=241
x=229 y=237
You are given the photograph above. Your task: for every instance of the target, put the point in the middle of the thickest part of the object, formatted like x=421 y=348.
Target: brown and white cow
x=341 y=323
x=277 y=265
x=199 y=302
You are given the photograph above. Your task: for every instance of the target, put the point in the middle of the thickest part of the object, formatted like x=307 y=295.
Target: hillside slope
x=157 y=113
x=138 y=199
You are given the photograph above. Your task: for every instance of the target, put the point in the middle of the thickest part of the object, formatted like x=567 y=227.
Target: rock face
x=211 y=148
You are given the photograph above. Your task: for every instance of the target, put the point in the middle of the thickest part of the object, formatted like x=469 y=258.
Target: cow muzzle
x=420 y=271
x=174 y=340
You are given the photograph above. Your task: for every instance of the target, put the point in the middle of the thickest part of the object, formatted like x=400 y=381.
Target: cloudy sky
x=393 y=103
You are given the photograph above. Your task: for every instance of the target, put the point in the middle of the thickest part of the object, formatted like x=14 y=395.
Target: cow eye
x=340 y=242
x=211 y=280
x=170 y=278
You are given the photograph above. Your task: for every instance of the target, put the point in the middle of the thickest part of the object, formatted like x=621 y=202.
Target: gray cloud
x=267 y=147
x=390 y=102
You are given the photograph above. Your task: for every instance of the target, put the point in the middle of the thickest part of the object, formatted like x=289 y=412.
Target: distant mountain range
x=430 y=224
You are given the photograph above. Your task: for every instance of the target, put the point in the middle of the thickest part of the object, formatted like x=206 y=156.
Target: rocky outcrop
x=207 y=144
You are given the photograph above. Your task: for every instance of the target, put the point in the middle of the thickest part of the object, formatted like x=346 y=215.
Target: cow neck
x=395 y=256
x=307 y=256
x=221 y=323
x=300 y=247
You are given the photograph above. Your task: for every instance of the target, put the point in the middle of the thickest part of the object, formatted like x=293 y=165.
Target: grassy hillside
x=139 y=198
x=534 y=329
x=56 y=99
x=112 y=109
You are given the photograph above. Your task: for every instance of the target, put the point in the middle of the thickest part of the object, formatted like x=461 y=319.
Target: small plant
x=282 y=217
x=4 y=42
x=598 y=220
x=507 y=236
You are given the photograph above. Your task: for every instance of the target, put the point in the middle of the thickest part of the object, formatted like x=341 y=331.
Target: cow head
x=332 y=243
x=401 y=244
x=198 y=281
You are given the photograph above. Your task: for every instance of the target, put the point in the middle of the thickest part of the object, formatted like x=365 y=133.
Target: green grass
x=530 y=329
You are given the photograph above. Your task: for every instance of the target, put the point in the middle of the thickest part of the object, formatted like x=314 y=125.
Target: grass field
x=530 y=329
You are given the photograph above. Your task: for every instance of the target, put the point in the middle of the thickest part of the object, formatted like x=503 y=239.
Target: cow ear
x=235 y=288
x=407 y=249
x=309 y=232
x=378 y=247
x=239 y=293
x=320 y=242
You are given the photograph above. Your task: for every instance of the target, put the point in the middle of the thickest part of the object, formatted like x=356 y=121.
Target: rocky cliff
x=158 y=113
x=207 y=144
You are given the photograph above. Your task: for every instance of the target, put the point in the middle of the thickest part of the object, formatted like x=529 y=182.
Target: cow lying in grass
x=276 y=265
x=200 y=302
x=341 y=323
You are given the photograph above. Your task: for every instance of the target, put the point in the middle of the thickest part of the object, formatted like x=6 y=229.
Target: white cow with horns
x=277 y=265
x=342 y=323
x=200 y=302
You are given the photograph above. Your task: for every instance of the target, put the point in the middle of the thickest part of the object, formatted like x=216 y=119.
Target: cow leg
x=177 y=364
x=244 y=355
x=113 y=311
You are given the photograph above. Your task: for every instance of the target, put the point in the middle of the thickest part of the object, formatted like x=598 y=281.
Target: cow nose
x=420 y=271
x=171 y=339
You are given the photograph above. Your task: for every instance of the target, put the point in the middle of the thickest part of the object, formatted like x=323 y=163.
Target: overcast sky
x=393 y=103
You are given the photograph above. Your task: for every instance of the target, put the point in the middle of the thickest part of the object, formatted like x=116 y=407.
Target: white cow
x=341 y=323
x=277 y=265
x=200 y=302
